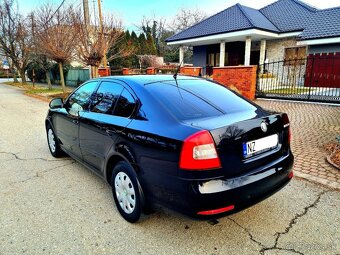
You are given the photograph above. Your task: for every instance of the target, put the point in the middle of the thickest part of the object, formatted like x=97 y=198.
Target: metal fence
x=315 y=78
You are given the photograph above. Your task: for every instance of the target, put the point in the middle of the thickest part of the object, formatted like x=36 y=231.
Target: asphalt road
x=50 y=206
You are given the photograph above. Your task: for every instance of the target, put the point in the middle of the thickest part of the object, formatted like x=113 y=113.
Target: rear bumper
x=235 y=197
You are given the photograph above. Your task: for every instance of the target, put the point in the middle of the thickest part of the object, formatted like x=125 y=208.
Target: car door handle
x=75 y=121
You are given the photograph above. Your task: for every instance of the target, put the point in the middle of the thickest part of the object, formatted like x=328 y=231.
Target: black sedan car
x=185 y=143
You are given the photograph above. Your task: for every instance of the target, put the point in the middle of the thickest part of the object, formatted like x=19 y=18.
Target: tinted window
x=125 y=105
x=183 y=104
x=218 y=95
x=105 y=98
x=80 y=99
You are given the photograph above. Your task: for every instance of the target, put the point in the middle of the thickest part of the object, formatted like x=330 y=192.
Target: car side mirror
x=56 y=103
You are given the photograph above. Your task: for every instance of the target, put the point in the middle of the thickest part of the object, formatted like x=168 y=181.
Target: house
x=239 y=35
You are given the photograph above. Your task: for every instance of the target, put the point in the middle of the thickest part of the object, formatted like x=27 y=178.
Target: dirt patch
x=334 y=154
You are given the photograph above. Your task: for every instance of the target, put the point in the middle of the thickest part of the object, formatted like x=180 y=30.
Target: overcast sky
x=132 y=11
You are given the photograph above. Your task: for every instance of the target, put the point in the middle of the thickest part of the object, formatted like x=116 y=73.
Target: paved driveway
x=313 y=125
x=50 y=206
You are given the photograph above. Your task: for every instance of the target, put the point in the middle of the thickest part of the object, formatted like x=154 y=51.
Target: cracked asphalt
x=56 y=206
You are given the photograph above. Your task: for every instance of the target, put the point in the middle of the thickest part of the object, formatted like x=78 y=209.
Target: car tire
x=53 y=143
x=126 y=191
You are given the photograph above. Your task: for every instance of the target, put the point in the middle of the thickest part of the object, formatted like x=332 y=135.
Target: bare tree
x=55 y=35
x=149 y=60
x=186 y=18
x=156 y=28
x=94 y=41
x=15 y=39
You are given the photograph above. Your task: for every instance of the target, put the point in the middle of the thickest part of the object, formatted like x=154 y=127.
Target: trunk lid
x=233 y=132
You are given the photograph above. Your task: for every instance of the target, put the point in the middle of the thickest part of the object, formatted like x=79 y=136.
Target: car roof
x=146 y=79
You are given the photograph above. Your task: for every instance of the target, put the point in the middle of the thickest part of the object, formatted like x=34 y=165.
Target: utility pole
x=86 y=12
x=104 y=62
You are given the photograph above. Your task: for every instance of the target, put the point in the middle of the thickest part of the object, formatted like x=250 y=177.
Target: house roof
x=322 y=24
x=239 y=18
x=281 y=16
x=288 y=15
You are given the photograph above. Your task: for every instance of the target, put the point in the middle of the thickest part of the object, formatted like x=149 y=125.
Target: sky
x=131 y=12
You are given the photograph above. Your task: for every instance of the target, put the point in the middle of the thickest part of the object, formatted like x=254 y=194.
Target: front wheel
x=126 y=191
x=53 y=144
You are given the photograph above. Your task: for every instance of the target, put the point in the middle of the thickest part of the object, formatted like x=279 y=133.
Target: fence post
x=311 y=76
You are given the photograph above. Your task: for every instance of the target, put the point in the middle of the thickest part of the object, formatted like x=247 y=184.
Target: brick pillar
x=151 y=70
x=126 y=71
x=241 y=79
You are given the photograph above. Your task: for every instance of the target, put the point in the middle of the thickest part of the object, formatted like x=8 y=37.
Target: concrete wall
x=241 y=79
x=200 y=56
x=325 y=48
x=275 y=49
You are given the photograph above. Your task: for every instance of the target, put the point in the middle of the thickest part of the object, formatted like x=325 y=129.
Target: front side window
x=105 y=98
x=80 y=99
x=125 y=105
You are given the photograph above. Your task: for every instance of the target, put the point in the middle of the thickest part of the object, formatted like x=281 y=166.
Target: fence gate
x=315 y=78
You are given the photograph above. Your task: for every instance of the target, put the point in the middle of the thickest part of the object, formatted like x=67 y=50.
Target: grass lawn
x=289 y=90
x=40 y=90
x=43 y=91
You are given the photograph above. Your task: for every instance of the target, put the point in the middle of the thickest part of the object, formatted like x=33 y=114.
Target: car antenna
x=175 y=77
x=177 y=70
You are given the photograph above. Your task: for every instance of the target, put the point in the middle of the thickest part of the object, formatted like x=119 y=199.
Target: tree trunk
x=94 y=71
x=62 y=81
x=48 y=79
x=22 y=75
x=15 y=79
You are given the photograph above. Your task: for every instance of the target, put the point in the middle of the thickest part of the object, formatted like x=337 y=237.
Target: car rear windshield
x=197 y=99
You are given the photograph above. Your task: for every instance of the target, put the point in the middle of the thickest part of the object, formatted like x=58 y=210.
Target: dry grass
x=41 y=91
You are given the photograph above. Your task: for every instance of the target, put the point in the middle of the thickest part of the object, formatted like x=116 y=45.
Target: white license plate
x=260 y=145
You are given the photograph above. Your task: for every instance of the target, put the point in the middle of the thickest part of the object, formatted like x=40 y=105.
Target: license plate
x=260 y=145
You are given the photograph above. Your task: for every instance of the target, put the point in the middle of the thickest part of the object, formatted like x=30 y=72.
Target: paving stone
x=312 y=126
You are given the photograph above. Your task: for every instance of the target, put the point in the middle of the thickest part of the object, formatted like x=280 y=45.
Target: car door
x=101 y=125
x=66 y=122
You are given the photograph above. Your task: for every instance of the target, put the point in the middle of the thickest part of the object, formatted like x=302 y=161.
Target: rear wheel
x=126 y=191
x=53 y=144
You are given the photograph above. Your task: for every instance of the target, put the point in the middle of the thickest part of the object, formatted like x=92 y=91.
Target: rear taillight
x=199 y=152
x=286 y=124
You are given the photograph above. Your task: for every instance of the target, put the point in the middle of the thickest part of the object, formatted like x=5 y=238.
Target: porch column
x=262 y=54
x=181 y=55
x=247 y=51
x=222 y=53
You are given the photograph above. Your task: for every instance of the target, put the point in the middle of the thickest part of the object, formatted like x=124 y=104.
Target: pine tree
x=151 y=47
x=142 y=44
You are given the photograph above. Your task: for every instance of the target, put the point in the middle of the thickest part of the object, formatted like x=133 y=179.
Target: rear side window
x=106 y=97
x=183 y=104
x=125 y=105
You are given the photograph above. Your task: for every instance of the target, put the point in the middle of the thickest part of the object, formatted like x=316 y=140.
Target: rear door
x=107 y=117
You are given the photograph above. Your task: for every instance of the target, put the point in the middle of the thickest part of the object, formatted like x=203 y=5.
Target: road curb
x=43 y=98
x=324 y=182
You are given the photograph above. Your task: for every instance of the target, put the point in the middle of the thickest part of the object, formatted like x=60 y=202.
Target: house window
x=211 y=59
x=214 y=59
x=295 y=56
